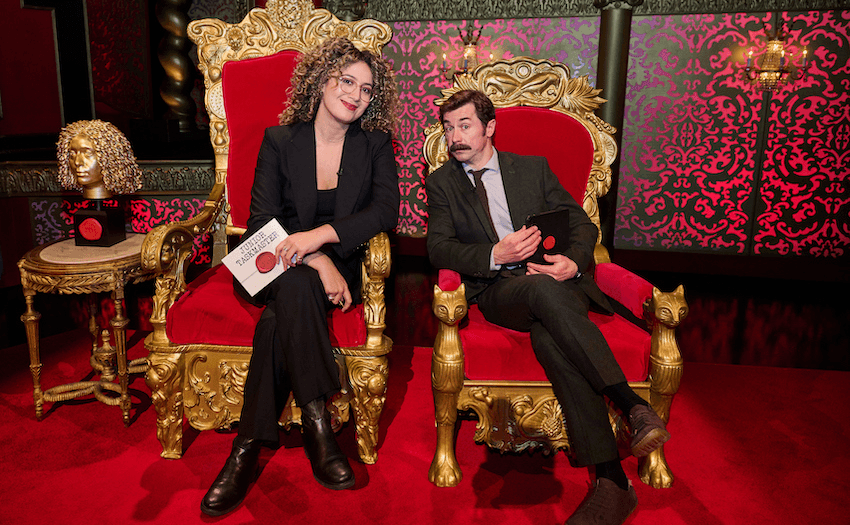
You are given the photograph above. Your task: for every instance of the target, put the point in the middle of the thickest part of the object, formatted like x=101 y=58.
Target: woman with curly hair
x=328 y=175
x=96 y=158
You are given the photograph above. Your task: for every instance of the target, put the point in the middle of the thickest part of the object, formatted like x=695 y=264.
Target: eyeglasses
x=348 y=85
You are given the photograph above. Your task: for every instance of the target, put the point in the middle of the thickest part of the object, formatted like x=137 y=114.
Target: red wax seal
x=549 y=242
x=265 y=262
x=91 y=229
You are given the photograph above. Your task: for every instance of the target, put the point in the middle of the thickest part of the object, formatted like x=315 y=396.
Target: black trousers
x=573 y=352
x=292 y=352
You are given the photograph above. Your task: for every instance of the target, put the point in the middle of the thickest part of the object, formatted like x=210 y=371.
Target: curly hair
x=114 y=154
x=318 y=65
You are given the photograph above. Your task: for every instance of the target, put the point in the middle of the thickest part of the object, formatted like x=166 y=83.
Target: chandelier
x=774 y=68
x=469 y=57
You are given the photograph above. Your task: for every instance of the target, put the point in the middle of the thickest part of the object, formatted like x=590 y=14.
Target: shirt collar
x=492 y=164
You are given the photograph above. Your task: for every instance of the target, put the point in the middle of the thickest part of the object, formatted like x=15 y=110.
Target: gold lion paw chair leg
x=492 y=371
x=200 y=347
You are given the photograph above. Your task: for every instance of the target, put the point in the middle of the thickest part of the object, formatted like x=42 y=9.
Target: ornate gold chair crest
x=492 y=371
x=201 y=343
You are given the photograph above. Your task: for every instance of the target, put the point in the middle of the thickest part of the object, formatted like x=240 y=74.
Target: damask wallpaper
x=52 y=218
x=695 y=177
x=416 y=52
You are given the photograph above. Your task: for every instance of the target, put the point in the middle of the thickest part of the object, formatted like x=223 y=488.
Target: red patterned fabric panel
x=563 y=140
x=211 y=312
x=254 y=95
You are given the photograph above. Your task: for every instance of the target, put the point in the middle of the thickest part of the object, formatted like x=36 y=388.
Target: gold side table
x=64 y=268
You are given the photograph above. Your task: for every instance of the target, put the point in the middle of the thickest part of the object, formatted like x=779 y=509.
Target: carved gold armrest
x=664 y=312
x=450 y=307
x=375 y=269
x=166 y=250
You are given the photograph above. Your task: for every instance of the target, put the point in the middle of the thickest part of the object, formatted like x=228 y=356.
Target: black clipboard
x=554 y=227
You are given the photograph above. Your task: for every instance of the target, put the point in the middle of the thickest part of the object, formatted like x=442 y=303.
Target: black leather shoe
x=230 y=487
x=330 y=466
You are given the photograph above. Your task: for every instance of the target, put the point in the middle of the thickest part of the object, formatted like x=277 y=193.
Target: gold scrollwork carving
x=214 y=392
x=540 y=419
x=163 y=378
x=368 y=379
x=71 y=284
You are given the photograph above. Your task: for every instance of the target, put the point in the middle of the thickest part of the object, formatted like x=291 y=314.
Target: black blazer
x=367 y=197
x=460 y=236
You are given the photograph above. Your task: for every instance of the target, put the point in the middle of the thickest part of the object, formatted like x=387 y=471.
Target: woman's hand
x=335 y=286
x=297 y=246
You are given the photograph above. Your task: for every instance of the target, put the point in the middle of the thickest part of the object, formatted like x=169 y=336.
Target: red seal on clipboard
x=265 y=262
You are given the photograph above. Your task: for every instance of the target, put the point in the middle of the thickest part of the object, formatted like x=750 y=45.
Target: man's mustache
x=458 y=147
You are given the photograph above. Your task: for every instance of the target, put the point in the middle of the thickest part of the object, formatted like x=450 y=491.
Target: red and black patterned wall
x=696 y=174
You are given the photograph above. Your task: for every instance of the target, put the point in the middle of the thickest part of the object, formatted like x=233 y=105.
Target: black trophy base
x=104 y=227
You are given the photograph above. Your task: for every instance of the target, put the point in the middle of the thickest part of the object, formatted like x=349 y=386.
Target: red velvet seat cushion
x=254 y=93
x=495 y=353
x=211 y=312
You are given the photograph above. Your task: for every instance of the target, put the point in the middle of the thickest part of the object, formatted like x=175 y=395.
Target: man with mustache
x=478 y=202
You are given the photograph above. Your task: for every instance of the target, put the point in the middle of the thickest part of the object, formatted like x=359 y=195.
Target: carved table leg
x=119 y=325
x=368 y=378
x=30 y=320
x=165 y=380
x=94 y=329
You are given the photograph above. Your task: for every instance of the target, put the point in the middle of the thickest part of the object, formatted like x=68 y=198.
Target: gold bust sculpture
x=96 y=158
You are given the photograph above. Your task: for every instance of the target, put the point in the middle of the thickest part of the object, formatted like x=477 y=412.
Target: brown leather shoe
x=648 y=430
x=605 y=504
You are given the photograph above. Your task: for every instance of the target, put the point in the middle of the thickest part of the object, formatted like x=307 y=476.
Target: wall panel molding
x=411 y=10
x=29 y=178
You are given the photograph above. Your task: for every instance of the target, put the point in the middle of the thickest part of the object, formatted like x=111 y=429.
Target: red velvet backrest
x=254 y=92
x=563 y=140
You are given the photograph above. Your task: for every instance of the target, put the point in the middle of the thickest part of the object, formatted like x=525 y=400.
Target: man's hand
x=517 y=246
x=335 y=286
x=561 y=268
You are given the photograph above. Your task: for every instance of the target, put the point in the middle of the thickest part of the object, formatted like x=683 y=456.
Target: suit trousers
x=570 y=348
x=292 y=352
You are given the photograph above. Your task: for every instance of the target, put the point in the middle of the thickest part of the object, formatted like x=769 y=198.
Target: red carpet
x=750 y=445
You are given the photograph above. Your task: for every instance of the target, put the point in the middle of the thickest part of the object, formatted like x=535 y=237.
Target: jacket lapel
x=301 y=163
x=352 y=171
x=467 y=190
x=515 y=191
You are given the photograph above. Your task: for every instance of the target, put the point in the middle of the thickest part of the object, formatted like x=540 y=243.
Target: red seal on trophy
x=90 y=229
x=265 y=262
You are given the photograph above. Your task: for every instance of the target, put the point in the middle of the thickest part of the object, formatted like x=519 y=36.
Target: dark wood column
x=612 y=67
x=176 y=89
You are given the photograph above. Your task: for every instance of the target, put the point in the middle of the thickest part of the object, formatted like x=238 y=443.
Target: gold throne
x=200 y=346
x=492 y=371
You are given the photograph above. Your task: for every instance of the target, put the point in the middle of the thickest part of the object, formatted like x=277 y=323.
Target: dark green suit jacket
x=460 y=237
